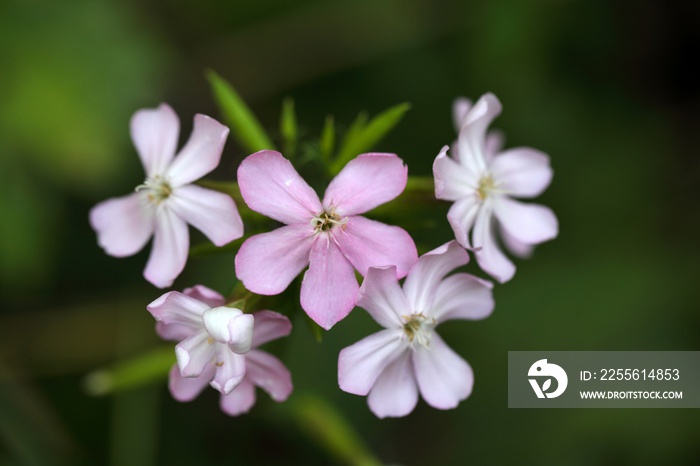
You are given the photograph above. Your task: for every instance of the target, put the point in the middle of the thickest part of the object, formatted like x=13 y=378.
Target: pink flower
x=408 y=356
x=330 y=236
x=177 y=319
x=167 y=201
x=481 y=180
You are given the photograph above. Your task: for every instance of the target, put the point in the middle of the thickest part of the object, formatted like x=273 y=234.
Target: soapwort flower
x=393 y=365
x=204 y=357
x=167 y=201
x=330 y=236
x=481 y=180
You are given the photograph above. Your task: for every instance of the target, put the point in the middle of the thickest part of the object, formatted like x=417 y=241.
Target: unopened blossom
x=260 y=368
x=167 y=201
x=329 y=236
x=408 y=357
x=482 y=181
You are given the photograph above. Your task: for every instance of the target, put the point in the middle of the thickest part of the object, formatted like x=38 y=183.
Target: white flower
x=481 y=181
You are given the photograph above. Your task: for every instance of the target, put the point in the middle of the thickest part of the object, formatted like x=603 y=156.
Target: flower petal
x=170 y=249
x=367 y=181
x=527 y=223
x=425 y=276
x=230 y=326
x=395 y=392
x=452 y=180
x=271 y=186
x=179 y=316
x=329 y=288
x=522 y=172
x=201 y=154
x=155 y=132
x=460 y=108
x=269 y=325
x=194 y=354
x=472 y=137
x=490 y=258
x=267 y=263
x=187 y=388
x=205 y=295
x=123 y=224
x=211 y=212
x=240 y=400
x=463 y=296
x=461 y=216
x=367 y=243
x=444 y=378
x=361 y=364
x=230 y=369
x=382 y=297
x=518 y=248
x=268 y=373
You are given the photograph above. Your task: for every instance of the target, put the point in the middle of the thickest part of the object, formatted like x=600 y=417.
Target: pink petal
x=201 y=154
x=194 y=354
x=460 y=108
x=329 y=287
x=395 y=392
x=155 y=132
x=452 y=180
x=267 y=263
x=229 y=326
x=268 y=373
x=211 y=212
x=522 y=172
x=367 y=181
x=240 y=400
x=425 y=276
x=187 y=388
x=381 y=296
x=179 y=316
x=123 y=225
x=461 y=216
x=518 y=248
x=205 y=295
x=271 y=186
x=527 y=223
x=472 y=137
x=230 y=369
x=463 y=296
x=269 y=325
x=444 y=378
x=490 y=258
x=170 y=249
x=494 y=143
x=368 y=243
x=361 y=364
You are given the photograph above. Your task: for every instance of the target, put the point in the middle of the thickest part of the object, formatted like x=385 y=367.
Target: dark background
x=608 y=89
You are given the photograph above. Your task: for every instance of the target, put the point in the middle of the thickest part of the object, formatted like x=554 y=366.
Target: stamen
x=327 y=220
x=158 y=189
x=418 y=328
x=486 y=185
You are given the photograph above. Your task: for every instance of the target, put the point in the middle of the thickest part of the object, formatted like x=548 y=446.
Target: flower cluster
x=332 y=243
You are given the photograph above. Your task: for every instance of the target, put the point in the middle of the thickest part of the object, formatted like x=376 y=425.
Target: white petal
x=178 y=315
x=230 y=369
x=240 y=400
x=472 y=137
x=452 y=180
x=123 y=225
x=230 y=326
x=463 y=296
x=381 y=296
x=268 y=373
x=522 y=172
x=490 y=258
x=170 y=249
x=462 y=216
x=155 y=132
x=527 y=223
x=194 y=354
x=395 y=393
x=211 y=212
x=460 y=108
x=205 y=295
x=422 y=281
x=187 y=388
x=360 y=365
x=518 y=248
x=444 y=378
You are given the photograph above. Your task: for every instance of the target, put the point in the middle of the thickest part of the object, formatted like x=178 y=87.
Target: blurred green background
x=608 y=89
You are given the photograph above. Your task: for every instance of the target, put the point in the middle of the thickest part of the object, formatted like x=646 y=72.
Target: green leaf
x=288 y=128
x=135 y=372
x=327 y=143
x=363 y=136
x=245 y=127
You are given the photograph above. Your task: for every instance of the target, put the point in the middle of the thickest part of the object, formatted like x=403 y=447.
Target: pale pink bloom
x=330 y=236
x=408 y=356
x=261 y=368
x=167 y=200
x=481 y=180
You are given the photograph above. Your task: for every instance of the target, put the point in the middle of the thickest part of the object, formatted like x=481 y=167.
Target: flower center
x=156 y=189
x=418 y=328
x=486 y=185
x=327 y=220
